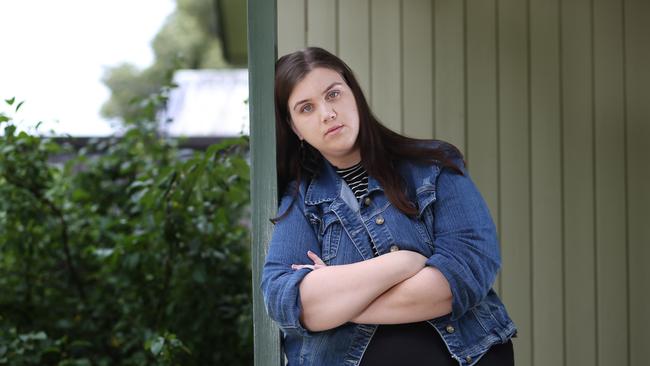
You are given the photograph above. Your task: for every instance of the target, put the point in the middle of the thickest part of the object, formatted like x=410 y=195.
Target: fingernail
x=309 y=252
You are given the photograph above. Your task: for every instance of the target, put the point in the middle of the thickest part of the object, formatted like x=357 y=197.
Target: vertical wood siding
x=550 y=103
x=545 y=179
x=609 y=142
x=636 y=31
x=579 y=185
x=514 y=171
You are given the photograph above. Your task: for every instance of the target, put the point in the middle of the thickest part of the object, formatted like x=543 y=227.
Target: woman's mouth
x=333 y=130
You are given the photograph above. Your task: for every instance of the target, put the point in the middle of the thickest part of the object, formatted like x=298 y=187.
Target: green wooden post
x=261 y=65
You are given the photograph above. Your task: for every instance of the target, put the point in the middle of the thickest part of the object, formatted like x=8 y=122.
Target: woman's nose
x=328 y=113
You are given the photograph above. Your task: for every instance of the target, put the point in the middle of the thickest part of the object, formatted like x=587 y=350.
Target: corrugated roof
x=208 y=103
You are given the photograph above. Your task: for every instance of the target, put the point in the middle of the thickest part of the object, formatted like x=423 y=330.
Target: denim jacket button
x=468 y=359
x=367 y=201
x=379 y=220
x=394 y=248
x=450 y=329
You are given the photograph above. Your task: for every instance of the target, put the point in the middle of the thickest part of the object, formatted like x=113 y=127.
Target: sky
x=53 y=55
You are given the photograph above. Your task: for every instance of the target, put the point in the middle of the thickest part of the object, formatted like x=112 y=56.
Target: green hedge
x=126 y=254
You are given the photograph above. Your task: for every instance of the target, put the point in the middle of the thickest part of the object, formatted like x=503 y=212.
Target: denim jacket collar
x=326 y=187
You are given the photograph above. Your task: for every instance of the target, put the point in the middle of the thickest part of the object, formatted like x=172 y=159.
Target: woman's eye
x=306 y=108
x=333 y=94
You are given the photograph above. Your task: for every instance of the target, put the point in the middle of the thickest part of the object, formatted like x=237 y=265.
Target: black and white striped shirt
x=357 y=179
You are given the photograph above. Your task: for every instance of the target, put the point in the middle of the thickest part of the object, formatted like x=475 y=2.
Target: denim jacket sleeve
x=465 y=240
x=292 y=237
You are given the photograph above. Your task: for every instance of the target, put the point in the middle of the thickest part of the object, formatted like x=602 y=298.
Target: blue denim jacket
x=453 y=229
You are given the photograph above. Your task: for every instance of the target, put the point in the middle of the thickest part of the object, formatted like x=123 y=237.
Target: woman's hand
x=318 y=263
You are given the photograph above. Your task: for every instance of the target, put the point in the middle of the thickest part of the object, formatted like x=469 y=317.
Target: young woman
x=383 y=252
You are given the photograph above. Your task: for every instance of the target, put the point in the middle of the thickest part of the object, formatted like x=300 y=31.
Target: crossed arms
x=393 y=288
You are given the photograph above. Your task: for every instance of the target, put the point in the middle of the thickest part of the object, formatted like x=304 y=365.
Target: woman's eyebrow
x=331 y=86
x=325 y=91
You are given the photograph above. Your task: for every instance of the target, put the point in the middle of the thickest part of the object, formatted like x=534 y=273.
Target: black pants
x=418 y=344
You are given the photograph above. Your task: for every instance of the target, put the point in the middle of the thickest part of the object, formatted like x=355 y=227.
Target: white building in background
x=208 y=103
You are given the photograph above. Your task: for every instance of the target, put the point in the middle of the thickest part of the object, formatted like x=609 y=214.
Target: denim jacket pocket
x=484 y=317
x=328 y=231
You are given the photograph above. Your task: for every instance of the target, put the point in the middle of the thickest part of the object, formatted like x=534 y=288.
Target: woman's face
x=324 y=113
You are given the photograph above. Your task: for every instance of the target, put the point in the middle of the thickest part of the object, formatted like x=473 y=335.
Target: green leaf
x=157 y=345
x=19 y=105
x=78 y=345
x=9 y=130
x=140 y=184
x=137 y=197
x=52 y=349
x=131 y=261
x=10 y=101
x=40 y=336
x=199 y=275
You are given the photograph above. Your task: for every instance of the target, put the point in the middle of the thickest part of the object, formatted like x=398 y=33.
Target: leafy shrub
x=127 y=254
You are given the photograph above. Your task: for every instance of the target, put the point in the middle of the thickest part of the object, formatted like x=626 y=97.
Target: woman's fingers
x=318 y=263
x=301 y=266
x=315 y=258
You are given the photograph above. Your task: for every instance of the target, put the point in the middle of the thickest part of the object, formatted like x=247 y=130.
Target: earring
x=301 y=151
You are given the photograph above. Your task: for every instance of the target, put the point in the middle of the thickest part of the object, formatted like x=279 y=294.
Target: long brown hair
x=381 y=149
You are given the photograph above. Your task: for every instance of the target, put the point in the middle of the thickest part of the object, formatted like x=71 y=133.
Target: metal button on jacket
x=379 y=220
x=468 y=359
x=450 y=329
x=367 y=201
x=394 y=248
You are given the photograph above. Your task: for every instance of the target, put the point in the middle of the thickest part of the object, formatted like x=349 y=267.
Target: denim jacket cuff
x=453 y=273
x=291 y=321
